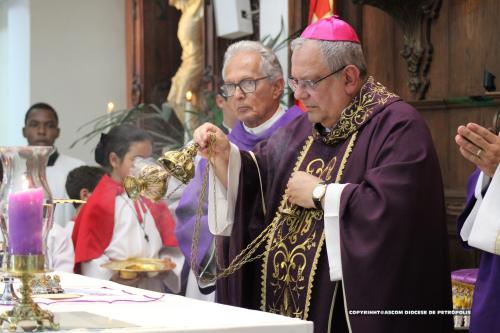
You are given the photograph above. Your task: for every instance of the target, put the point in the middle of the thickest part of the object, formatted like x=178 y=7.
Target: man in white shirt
x=41 y=128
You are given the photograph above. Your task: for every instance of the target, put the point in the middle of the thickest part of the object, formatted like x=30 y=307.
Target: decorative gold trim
x=497 y=244
x=332 y=306
x=17 y=265
x=339 y=175
x=372 y=94
x=314 y=266
x=264 y=210
x=263 y=294
x=347 y=154
x=278 y=215
x=64 y=201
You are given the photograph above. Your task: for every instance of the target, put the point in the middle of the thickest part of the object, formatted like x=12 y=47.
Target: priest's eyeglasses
x=245 y=85
x=309 y=85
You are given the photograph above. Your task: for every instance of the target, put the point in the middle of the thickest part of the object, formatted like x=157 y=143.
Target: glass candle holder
x=26 y=209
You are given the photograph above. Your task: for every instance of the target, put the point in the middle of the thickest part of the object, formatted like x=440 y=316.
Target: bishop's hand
x=300 y=188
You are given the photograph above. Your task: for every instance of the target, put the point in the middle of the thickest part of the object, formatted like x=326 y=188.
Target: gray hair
x=269 y=63
x=337 y=53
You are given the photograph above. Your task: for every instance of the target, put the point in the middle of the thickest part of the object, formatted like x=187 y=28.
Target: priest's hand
x=300 y=188
x=210 y=135
x=214 y=142
x=480 y=146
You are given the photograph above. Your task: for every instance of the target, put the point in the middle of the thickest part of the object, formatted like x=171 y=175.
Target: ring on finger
x=478 y=154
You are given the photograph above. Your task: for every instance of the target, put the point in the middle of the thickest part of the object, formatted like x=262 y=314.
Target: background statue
x=188 y=76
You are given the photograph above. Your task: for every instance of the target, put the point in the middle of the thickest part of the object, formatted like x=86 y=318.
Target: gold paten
x=27 y=311
x=130 y=268
x=151 y=181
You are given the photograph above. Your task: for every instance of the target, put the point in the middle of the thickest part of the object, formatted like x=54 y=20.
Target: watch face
x=319 y=190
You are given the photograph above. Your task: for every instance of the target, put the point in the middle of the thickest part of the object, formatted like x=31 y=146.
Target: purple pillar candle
x=25 y=212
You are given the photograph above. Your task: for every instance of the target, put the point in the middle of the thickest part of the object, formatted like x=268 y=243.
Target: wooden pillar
x=153 y=50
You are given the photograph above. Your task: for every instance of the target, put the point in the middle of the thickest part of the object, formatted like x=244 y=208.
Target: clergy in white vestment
x=479 y=223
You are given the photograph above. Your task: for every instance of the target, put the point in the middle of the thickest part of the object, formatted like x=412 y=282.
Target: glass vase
x=26 y=209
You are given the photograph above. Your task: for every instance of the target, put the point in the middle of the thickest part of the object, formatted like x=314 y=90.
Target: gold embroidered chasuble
x=293 y=249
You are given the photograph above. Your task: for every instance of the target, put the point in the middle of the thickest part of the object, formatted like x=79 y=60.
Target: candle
x=189 y=97
x=25 y=212
x=110 y=108
x=188 y=108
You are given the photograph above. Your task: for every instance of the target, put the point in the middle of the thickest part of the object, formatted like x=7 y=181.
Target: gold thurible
x=151 y=180
x=180 y=164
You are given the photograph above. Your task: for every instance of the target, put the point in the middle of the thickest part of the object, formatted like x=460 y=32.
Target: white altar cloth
x=155 y=312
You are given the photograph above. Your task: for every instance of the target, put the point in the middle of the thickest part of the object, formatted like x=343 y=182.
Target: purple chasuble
x=471 y=184
x=188 y=204
x=486 y=300
x=393 y=236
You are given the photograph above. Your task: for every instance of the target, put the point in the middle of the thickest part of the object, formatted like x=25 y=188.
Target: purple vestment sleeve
x=486 y=301
x=471 y=184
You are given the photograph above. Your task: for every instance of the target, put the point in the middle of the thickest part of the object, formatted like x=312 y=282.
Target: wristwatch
x=318 y=194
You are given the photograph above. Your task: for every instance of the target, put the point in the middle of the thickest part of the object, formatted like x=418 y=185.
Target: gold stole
x=293 y=249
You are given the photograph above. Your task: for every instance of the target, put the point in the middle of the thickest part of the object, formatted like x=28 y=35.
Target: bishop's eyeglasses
x=245 y=85
x=309 y=85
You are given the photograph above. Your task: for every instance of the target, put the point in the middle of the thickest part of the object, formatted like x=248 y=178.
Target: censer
x=150 y=179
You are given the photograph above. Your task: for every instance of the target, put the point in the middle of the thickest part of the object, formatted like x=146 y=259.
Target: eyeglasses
x=246 y=86
x=309 y=84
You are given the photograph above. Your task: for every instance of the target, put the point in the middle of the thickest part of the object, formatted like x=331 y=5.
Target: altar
x=97 y=305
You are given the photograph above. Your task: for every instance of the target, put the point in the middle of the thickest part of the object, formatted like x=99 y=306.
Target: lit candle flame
x=189 y=95
x=111 y=107
x=25 y=182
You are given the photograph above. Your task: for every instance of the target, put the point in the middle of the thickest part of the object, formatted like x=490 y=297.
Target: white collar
x=267 y=124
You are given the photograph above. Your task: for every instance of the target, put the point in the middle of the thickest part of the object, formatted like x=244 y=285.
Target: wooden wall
x=153 y=50
x=215 y=46
x=465 y=40
x=465 y=37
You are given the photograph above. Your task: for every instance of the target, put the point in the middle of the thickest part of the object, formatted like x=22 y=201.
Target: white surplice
x=60 y=250
x=56 y=178
x=129 y=241
x=482 y=227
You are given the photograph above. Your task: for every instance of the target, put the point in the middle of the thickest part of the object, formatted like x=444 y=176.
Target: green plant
x=160 y=123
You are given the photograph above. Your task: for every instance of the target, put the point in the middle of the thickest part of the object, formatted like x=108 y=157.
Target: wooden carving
x=415 y=18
